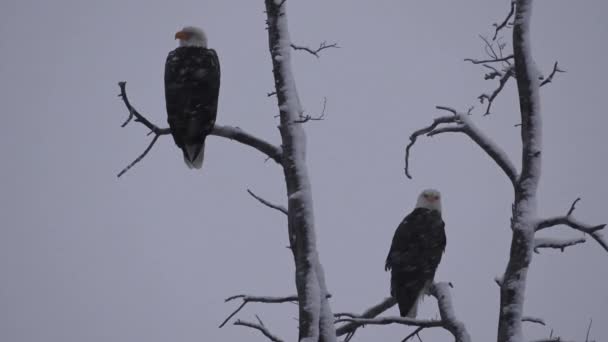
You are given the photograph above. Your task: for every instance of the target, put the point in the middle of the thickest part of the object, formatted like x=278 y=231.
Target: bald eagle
x=192 y=84
x=416 y=250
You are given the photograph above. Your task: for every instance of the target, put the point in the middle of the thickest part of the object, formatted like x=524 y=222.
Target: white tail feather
x=193 y=156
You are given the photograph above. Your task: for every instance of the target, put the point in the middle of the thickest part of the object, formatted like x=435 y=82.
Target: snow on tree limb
x=568 y=220
x=427 y=323
x=463 y=124
x=446 y=310
x=441 y=291
x=560 y=244
x=233 y=133
x=524 y=208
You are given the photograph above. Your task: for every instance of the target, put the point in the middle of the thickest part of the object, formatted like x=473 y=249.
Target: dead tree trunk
x=513 y=284
x=316 y=318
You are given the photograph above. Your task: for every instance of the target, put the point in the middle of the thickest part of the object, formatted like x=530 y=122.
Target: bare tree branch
x=491 y=60
x=491 y=97
x=571 y=222
x=505 y=22
x=392 y=320
x=555 y=70
x=315 y=52
x=256 y=299
x=140 y=157
x=372 y=312
x=555 y=243
x=413 y=333
x=233 y=133
x=260 y=327
x=306 y=118
x=268 y=204
x=466 y=126
x=422 y=131
x=446 y=311
x=588 y=330
x=533 y=320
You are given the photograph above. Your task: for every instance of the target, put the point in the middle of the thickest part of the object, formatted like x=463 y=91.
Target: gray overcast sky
x=150 y=257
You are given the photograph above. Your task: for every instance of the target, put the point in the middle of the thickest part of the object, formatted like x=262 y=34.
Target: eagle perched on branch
x=416 y=250
x=192 y=84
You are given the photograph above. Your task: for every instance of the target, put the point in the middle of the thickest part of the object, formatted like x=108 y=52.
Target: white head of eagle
x=192 y=36
x=429 y=199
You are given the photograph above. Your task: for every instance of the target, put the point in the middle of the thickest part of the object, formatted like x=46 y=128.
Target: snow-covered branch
x=260 y=327
x=427 y=323
x=441 y=291
x=560 y=244
x=568 y=220
x=256 y=299
x=463 y=124
x=233 y=133
x=446 y=310
x=531 y=319
x=268 y=204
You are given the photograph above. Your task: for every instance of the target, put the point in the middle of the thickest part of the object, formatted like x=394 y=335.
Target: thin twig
x=501 y=84
x=260 y=327
x=588 y=330
x=422 y=131
x=414 y=333
x=493 y=60
x=141 y=156
x=555 y=70
x=306 y=118
x=268 y=204
x=505 y=22
x=533 y=320
x=315 y=52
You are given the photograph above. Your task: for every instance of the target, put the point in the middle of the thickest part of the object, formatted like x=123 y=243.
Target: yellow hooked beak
x=182 y=35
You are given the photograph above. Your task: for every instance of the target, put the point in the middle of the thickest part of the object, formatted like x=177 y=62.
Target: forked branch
x=315 y=52
x=568 y=220
x=233 y=133
x=446 y=310
x=462 y=123
x=260 y=327
x=256 y=299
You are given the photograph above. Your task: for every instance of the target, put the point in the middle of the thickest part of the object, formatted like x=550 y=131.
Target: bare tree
x=524 y=221
x=316 y=320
